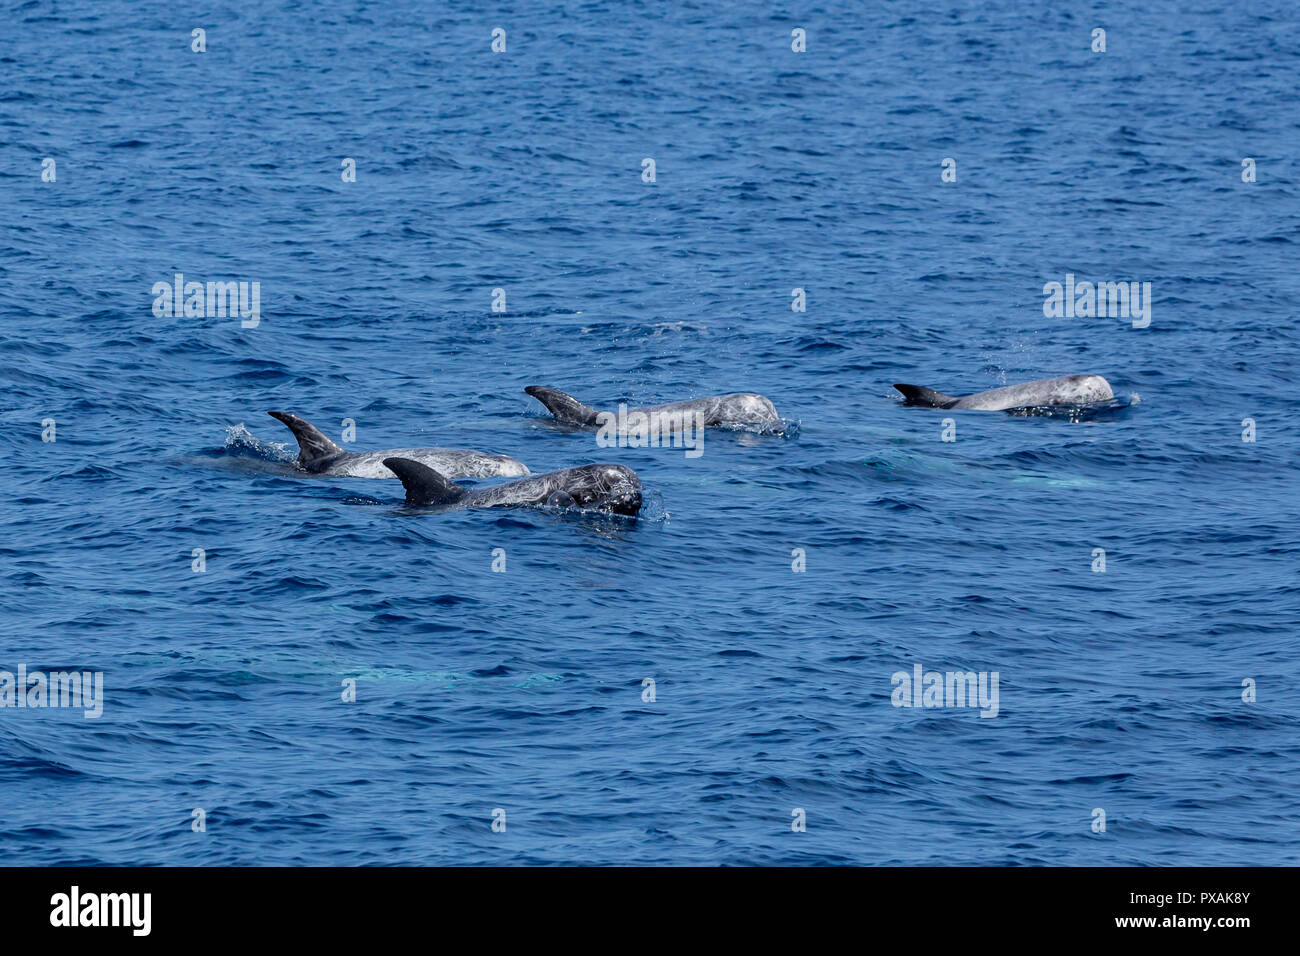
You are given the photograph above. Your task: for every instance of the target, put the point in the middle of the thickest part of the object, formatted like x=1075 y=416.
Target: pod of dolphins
x=426 y=473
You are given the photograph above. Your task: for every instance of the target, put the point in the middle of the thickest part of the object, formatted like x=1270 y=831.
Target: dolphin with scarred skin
x=320 y=456
x=605 y=487
x=738 y=408
x=1068 y=390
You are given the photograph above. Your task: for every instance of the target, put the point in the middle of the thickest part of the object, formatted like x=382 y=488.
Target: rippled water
x=523 y=690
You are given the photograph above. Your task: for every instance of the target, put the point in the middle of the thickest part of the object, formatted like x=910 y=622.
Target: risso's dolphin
x=738 y=408
x=1068 y=390
x=607 y=487
x=319 y=455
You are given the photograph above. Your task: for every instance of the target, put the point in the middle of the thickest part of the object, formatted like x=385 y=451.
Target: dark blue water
x=522 y=690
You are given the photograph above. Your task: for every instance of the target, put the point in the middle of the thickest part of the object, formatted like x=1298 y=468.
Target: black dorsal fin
x=920 y=395
x=313 y=447
x=423 y=485
x=564 y=407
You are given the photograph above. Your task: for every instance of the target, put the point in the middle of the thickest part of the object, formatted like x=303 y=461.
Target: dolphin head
x=614 y=487
x=1094 y=388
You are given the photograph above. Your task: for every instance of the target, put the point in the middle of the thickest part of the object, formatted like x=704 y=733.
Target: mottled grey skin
x=1069 y=390
x=738 y=408
x=608 y=487
x=320 y=456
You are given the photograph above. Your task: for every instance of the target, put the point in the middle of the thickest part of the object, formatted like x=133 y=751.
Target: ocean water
x=524 y=690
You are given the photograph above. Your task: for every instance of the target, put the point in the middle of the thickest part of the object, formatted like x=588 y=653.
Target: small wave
x=664 y=328
x=652 y=506
x=1091 y=411
x=241 y=442
x=592 y=514
x=781 y=427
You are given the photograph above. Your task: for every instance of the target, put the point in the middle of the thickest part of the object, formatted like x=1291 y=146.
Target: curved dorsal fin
x=313 y=447
x=566 y=408
x=920 y=395
x=423 y=485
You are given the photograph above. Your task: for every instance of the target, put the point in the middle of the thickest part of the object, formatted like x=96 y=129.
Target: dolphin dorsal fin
x=313 y=447
x=423 y=485
x=920 y=395
x=566 y=408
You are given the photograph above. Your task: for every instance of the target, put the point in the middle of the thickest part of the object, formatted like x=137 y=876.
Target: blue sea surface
x=1162 y=692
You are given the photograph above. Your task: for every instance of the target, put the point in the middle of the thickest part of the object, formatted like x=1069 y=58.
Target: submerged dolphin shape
x=738 y=408
x=1068 y=390
x=319 y=455
x=609 y=487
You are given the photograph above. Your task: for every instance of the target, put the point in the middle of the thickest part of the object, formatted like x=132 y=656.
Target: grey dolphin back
x=564 y=407
x=314 y=449
x=423 y=485
x=1065 y=390
x=920 y=395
